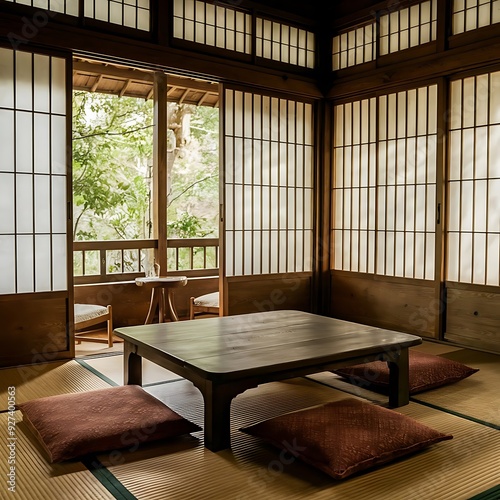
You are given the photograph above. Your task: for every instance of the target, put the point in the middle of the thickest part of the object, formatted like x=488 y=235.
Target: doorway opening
x=114 y=184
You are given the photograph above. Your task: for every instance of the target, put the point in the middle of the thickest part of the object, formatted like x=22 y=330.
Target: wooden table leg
x=217 y=428
x=132 y=365
x=399 y=386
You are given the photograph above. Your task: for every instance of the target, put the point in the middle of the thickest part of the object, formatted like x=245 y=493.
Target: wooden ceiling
x=93 y=76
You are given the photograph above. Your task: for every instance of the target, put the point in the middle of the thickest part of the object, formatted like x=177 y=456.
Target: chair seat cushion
x=347 y=436
x=427 y=371
x=207 y=300
x=73 y=425
x=85 y=312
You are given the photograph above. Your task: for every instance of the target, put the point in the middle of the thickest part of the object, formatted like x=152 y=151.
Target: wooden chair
x=87 y=315
x=204 y=304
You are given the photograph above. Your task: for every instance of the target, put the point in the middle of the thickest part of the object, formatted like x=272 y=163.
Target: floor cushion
x=73 y=425
x=347 y=436
x=427 y=371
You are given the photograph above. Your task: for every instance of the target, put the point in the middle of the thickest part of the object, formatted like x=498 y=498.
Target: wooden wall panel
x=247 y=294
x=34 y=330
x=130 y=302
x=398 y=305
x=472 y=318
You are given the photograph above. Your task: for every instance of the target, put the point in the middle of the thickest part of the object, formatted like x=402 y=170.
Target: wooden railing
x=123 y=260
x=193 y=256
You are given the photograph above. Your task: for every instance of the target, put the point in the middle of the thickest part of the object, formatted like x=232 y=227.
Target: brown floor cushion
x=73 y=425
x=427 y=371
x=347 y=436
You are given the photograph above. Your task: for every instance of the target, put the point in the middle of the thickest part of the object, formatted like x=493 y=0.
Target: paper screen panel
x=474 y=181
x=33 y=197
x=213 y=25
x=469 y=15
x=268 y=184
x=129 y=13
x=408 y=27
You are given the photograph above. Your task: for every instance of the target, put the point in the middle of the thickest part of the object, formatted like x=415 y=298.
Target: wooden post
x=160 y=170
x=440 y=239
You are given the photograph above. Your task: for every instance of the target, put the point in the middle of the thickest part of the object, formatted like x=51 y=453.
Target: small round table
x=164 y=303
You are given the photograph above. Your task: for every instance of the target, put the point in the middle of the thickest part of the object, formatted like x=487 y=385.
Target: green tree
x=112 y=168
x=193 y=197
x=112 y=158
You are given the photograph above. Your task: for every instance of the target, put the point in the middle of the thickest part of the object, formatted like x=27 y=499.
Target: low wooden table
x=225 y=356
x=161 y=300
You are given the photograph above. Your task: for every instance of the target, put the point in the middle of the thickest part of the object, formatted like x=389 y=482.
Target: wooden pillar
x=322 y=221
x=440 y=241
x=160 y=169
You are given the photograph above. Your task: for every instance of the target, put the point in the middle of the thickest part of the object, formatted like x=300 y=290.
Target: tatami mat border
x=375 y=397
x=491 y=494
x=99 y=356
x=153 y=384
x=457 y=414
x=99 y=374
x=120 y=491
x=91 y=369
x=107 y=478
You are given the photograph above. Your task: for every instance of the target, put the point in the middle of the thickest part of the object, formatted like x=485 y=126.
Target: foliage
x=193 y=208
x=112 y=158
x=112 y=168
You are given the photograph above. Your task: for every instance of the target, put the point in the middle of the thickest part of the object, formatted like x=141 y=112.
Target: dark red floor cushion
x=345 y=437
x=427 y=371
x=72 y=425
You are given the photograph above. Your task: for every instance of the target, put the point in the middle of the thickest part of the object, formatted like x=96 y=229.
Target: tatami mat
x=183 y=470
x=338 y=382
x=476 y=396
x=35 y=478
x=86 y=348
x=36 y=381
x=112 y=368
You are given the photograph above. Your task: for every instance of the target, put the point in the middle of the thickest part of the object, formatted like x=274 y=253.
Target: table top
x=259 y=343
x=162 y=280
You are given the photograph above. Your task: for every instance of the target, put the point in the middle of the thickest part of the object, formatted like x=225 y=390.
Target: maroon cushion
x=427 y=371
x=73 y=425
x=347 y=436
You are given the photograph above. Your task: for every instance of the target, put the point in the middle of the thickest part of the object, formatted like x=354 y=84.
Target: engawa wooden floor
x=464 y=468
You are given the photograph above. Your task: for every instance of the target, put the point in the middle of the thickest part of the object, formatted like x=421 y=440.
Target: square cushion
x=72 y=425
x=427 y=371
x=345 y=437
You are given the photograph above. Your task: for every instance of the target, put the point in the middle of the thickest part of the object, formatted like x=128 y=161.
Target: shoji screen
x=69 y=7
x=129 y=13
x=212 y=24
x=32 y=173
x=474 y=181
x=385 y=184
x=355 y=157
x=33 y=191
x=469 y=15
x=384 y=210
x=284 y=43
x=355 y=46
x=408 y=27
x=406 y=183
x=269 y=155
x=473 y=221
x=268 y=185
